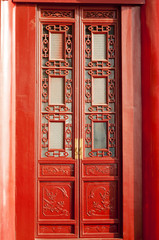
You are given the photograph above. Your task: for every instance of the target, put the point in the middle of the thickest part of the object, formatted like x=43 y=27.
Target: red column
x=25 y=120
x=150 y=114
x=7 y=122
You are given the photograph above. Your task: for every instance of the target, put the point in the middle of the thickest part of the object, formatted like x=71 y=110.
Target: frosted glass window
x=99 y=47
x=56 y=46
x=100 y=135
x=56 y=91
x=56 y=135
x=99 y=91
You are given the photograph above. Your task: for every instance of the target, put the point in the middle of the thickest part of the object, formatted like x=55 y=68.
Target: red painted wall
x=150 y=111
x=25 y=121
x=7 y=121
x=150 y=114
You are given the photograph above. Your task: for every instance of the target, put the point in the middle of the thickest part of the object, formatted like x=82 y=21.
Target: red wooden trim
x=25 y=121
x=131 y=127
x=150 y=114
x=7 y=121
x=79 y=239
x=85 y=1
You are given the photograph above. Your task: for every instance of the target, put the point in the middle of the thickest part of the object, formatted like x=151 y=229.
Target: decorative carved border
x=100 y=14
x=57 y=13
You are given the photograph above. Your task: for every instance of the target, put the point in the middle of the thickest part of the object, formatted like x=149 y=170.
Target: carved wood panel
x=101 y=156
x=56 y=200
x=79 y=159
x=57 y=203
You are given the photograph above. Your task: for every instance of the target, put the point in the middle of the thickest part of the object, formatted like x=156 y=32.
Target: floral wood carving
x=100 y=14
x=56 y=170
x=101 y=170
x=57 y=14
x=49 y=228
x=101 y=228
x=101 y=200
x=56 y=200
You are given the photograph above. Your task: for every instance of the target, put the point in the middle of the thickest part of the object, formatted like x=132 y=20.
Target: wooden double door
x=79 y=128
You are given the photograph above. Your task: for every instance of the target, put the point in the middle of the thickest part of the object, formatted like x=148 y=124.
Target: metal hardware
x=76 y=148
x=81 y=149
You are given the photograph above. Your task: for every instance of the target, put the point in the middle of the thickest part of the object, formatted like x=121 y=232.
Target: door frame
x=25 y=121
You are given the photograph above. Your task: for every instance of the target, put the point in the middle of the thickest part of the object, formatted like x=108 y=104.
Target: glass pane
x=99 y=91
x=100 y=135
x=56 y=91
x=99 y=47
x=56 y=135
x=56 y=46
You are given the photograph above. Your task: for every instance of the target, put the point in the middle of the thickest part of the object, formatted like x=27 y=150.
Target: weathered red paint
x=150 y=115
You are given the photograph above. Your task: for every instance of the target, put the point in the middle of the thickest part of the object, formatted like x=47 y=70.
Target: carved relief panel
x=57 y=167
x=100 y=158
x=57 y=200
x=79 y=159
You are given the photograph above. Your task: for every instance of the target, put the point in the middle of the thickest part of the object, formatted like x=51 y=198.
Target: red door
x=78 y=177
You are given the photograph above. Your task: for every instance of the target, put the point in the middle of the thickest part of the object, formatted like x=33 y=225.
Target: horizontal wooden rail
x=84 y=1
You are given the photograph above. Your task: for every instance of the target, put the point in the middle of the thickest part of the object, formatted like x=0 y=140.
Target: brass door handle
x=76 y=148
x=81 y=149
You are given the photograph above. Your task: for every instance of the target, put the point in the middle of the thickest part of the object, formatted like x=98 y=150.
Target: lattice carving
x=44 y=90
x=111 y=51
x=57 y=109
x=44 y=135
x=100 y=14
x=68 y=135
x=45 y=48
x=99 y=28
x=88 y=133
x=56 y=117
x=99 y=72
x=57 y=13
x=57 y=72
x=57 y=69
x=112 y=138
x=100 y=109
x=99 y=64
x=68 y=90
x=57 y=168
x=88 y=93
x=69 y=46
x=99 y=116
x=95 y=69
x=111 y=90
x=88 y=46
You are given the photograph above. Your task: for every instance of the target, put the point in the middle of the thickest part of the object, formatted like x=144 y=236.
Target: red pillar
x=150 y=114
x=7 y=121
